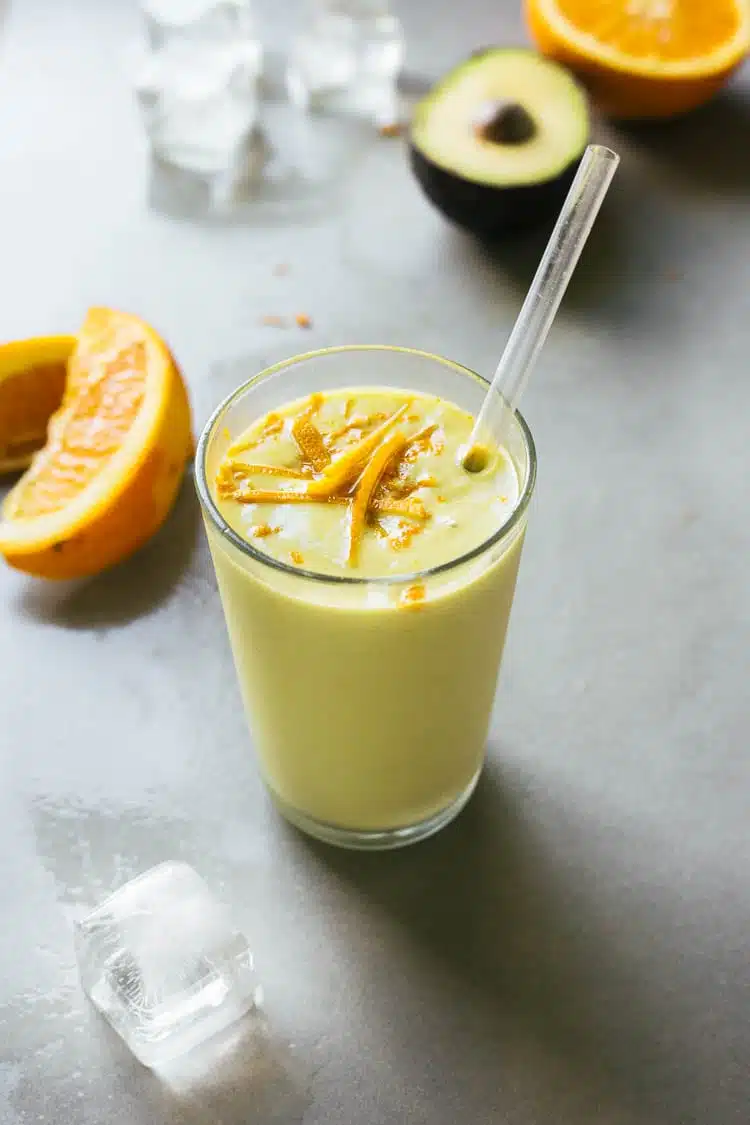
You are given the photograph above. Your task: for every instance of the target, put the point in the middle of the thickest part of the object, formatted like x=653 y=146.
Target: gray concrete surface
x=575 y=948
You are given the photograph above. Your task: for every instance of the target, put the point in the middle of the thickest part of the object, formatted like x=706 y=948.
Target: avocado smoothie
x=367 y=580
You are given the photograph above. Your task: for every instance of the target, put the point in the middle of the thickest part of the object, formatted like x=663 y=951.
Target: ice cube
x=200 y=104
x=165 y=964
x=347 y=59
x=197 y=83
x=201 y=20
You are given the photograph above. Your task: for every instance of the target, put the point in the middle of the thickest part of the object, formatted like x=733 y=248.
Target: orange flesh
x=27 y=401
x=115 y=453
x=664 y=30
x=85 y=434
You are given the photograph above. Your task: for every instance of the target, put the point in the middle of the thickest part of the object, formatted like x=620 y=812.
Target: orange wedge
x=32 y=381
x=115 y=455
x=644 y=58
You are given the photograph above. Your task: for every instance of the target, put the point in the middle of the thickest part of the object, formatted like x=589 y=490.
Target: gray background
x=575 y=948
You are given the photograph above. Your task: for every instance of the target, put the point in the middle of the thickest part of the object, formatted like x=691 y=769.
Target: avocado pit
x=504 y=122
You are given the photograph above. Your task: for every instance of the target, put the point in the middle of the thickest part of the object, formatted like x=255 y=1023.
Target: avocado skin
x=488 y=210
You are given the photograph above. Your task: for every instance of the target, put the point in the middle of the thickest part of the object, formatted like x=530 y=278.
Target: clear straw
x=573 y=226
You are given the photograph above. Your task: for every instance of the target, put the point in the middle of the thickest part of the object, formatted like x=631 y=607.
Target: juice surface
x=425 y=509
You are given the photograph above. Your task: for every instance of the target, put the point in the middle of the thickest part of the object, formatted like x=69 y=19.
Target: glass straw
x=555 y=270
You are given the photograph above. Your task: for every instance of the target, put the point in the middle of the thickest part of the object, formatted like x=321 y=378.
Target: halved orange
x=644 y=58
x=32 y=382
x=115 y=455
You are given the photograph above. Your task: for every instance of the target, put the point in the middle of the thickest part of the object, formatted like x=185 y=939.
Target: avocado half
x=496 y=143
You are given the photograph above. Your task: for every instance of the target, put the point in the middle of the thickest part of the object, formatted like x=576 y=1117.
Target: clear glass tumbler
x=347 y=58
x=369 y=714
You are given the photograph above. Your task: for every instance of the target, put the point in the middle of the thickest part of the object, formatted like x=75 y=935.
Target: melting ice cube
x=163 y=961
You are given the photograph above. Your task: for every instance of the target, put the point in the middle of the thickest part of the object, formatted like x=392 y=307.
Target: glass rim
x=246 y=548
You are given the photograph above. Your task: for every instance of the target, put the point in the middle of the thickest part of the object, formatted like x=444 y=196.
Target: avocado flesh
x=484 y=184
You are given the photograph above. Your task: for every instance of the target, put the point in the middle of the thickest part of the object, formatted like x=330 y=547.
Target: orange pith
x=115 y=453
x=644 y=58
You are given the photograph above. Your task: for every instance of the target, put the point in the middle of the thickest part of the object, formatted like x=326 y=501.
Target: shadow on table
x=133 y=589
x=234 y=199
x=522 y=931
x=243 y=1076
x=606 y=289
x=707 y=149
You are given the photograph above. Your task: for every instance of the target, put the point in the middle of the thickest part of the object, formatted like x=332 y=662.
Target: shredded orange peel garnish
x=244 y=469
x=384 y=505
x=309 y=441
x=346 y=466
x=391 y=447
x=354 y=477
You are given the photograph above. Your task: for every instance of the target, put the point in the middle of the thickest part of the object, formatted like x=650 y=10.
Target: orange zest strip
x=392 y=447
x=273 y=424
x=382 y=506
x=397 y=483
x=241 y=469
x=314 y=404
x=418 y=443
x=394 y=506
x=310 y=444
x=352 y=422
x=284 y=496
x=341 y=471
x=422 y=435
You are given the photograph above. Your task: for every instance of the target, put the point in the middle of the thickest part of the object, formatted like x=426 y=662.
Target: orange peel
x=309 y=441
x=244 y=470
x=392 y=447
x=345 y=467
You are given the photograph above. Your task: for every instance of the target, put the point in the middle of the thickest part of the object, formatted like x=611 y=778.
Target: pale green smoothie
x=368 y=702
